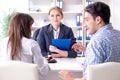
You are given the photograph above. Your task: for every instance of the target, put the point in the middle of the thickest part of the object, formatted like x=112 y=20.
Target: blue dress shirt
x=104 y=46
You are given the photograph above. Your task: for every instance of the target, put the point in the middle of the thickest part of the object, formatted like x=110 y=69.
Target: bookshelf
x=72 y=10
x=38 y=9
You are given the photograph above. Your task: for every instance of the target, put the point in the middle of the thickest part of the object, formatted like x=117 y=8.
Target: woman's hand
x=53 y=48
x=61 y=53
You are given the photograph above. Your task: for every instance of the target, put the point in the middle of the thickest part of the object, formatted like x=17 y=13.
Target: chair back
x=35 y=34
x=16 y=70
x=104 y=71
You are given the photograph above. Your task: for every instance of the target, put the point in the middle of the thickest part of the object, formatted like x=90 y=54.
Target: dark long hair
x=20 y=25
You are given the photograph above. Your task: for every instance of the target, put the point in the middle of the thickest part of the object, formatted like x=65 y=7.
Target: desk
x=73 y=65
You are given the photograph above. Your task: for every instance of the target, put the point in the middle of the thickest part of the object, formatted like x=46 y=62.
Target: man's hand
x=78 y=47
x=65 y=75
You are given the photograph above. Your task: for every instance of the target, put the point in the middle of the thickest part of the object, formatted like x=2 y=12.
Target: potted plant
x=5 y=25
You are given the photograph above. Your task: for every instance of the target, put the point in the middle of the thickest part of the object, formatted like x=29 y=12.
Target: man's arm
x=65 y=75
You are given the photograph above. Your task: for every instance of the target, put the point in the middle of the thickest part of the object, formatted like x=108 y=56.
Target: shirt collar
x=108 y=26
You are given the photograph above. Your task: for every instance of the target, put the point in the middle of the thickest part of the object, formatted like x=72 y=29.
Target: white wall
x=7 y=6
x=22 y=6
x=116 y=14
x=19 y=5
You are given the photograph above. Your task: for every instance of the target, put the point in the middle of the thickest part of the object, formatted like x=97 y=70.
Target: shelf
x=65 y=12
x=79 y=41
x=77 y=27
x=35 y=12
x=38 y=9
x=87 y=41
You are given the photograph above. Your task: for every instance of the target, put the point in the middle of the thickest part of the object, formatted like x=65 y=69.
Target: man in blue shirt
x=104 y=45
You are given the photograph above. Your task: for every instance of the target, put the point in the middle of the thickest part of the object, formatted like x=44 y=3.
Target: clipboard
x=63 y=44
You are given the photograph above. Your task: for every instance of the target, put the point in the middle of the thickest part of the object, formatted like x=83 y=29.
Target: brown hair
x=20 y=25
x=56 y=8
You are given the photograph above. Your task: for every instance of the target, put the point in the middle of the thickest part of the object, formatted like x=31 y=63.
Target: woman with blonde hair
x=55 y=30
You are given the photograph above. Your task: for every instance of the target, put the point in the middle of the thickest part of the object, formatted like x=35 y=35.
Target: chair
x=16 y=70
x=104 y=71
x=35 y=34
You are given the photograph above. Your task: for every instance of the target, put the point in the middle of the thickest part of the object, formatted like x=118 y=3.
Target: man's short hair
x=99 y=9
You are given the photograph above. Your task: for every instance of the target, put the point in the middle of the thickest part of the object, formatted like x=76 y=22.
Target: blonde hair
x=56 y=8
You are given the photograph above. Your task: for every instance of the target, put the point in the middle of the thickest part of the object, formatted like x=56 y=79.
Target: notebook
x=63 y=44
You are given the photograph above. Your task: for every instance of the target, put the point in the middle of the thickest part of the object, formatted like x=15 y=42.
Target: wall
x=19 y=5
x=116 y=14
x=7 y=6
x=22 y=6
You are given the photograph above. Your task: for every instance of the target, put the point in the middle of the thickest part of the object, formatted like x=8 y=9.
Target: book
x=77 y=20
x=63 y=44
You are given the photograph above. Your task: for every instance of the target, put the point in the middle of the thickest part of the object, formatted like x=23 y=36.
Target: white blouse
x=30 y=53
